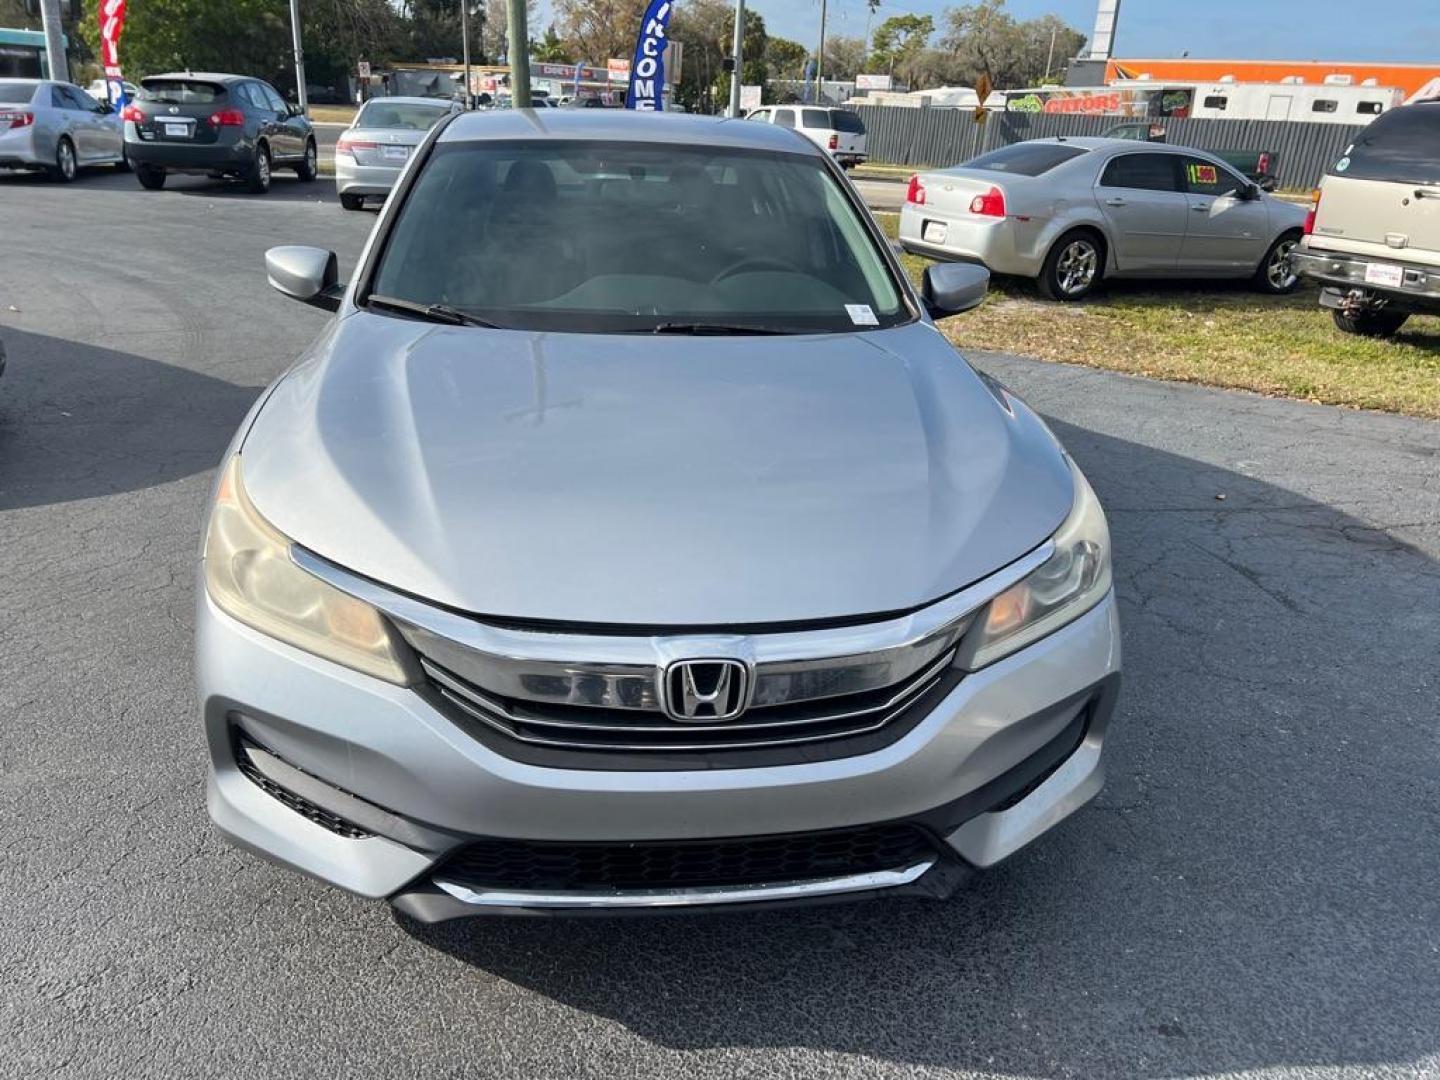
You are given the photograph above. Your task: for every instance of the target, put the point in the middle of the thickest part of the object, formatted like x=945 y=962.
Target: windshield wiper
x=720 y=329
x=440 y=313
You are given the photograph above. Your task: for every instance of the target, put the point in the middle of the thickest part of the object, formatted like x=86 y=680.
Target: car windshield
x=1026 y=158
x=1402 y=146
x=16 y=93
x=180 y=92
x=611 y=237
x=408 y=116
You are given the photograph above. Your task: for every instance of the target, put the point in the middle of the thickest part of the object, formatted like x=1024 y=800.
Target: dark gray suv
x=216 y=125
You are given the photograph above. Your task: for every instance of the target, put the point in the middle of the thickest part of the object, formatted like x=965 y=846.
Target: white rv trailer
x=1335 y=101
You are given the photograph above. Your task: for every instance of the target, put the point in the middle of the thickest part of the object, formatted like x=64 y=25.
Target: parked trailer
x=1142 y=99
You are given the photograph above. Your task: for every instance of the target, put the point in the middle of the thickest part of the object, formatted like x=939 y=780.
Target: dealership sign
x=647 y=70
x=872 y=82
x=112 y=20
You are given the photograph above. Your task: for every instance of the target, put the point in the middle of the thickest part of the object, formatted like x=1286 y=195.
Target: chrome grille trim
x=618 y=671
x=476 y=702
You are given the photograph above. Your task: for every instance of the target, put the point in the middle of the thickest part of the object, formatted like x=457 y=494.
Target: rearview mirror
x=309 y=274
x=950 y=288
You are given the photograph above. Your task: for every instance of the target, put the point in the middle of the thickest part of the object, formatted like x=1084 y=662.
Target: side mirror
x=950 y=288
x=1250 y=192
x=309 y=274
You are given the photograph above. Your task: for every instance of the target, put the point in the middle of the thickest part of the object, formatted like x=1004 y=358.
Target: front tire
x=151 y=178
x=66 y=166
x=1373 y=324
x=352 y=202
x=1275 y=275
x=309 y=169
x=1074 y=266
x=258 y=180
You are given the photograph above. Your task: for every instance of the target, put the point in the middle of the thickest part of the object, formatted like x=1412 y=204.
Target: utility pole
x=1050 y=57
x=54 y=40
x=519 y=50
x=820 y=60
x=737 y=50
x=465 y=44
x=300 y=95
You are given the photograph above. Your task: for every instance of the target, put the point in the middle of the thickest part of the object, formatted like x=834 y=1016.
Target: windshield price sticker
x=861 y=315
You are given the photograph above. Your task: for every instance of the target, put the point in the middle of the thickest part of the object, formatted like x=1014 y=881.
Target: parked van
x=1373 y=235
x=840 y=131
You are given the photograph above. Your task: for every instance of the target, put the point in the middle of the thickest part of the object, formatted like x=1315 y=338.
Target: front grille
x=304 y=807
x=588 y=728
x=540 y=866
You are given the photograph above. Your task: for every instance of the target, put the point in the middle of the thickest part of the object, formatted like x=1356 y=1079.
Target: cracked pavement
x=1254 y=893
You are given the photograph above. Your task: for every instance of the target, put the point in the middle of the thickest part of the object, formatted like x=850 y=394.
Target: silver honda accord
x=631 y=539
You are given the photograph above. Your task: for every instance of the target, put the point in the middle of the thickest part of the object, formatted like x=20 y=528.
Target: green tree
x=897 y=45
x=707 y=27
x=983 y=38
x=844 y=56
x=785 y=58
x=551 y=49
x=597 y=30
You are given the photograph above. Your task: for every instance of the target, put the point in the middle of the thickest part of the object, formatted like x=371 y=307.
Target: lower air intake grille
x=564 y=867
x=306 y=809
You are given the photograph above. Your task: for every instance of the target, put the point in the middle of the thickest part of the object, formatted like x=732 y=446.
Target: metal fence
x=939 y=137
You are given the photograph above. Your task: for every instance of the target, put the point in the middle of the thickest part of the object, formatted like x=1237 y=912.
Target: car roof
x=625 y=125
x=1095 y=142
x=403 y=100
x=203 y=76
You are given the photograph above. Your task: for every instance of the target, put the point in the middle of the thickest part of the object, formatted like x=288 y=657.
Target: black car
x=216 y=125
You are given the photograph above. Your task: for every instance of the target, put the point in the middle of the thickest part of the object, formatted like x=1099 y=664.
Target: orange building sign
x=1417 y=80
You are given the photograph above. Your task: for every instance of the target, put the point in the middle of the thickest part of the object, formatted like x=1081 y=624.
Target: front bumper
x=1419 y=287
x=355 y=179
x=1008 y=753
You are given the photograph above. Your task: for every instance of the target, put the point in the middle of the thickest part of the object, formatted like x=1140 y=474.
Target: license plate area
x=934 y=232
x=175 y=129
x=1384 y=274
x=395 y=153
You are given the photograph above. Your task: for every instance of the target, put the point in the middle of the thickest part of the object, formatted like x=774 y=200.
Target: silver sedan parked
x=1071 y=211
x=373 y=150
x=57 y=127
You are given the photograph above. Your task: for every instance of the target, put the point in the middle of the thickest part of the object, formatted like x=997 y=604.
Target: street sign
x=982 y=91
x=750 y=98
x=364 y=69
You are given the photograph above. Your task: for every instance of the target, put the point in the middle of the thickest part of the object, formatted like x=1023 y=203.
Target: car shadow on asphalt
x=77 y=421
x=1250 y=890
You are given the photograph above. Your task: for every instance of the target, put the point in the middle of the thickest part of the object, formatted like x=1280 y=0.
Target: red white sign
x=111 y=14
x=618 y=70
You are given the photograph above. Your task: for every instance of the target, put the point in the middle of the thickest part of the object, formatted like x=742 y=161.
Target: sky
x=1397 y=30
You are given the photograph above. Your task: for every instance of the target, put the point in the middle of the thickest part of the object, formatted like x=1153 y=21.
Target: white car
x=839 y=131
x=56 y=127
x=371 y=152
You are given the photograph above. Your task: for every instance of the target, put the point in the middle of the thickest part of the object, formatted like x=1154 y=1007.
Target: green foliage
x=552 y=49
x=707 y=27
x=785 y=58
x=985 y=38
x=897 y=44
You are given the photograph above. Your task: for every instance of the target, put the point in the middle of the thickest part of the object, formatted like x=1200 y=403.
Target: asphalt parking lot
x=1253 y=894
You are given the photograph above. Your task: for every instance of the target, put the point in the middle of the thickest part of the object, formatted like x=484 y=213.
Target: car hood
x=656 y=481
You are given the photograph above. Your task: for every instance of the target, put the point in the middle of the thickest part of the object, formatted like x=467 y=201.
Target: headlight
x=250 y=576
x=1065 y=586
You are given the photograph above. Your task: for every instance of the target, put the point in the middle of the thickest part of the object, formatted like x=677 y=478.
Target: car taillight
x=227 y=118
x=915 y=193
x=345 y=145
x=991 y=204
x=1310 y=215
x=134 y=114
x=16 y=119
x=834 y=141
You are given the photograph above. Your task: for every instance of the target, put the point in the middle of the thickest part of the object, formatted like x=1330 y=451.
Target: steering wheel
x=762 y=261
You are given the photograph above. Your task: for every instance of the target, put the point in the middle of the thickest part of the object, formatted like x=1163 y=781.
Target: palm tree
x=551 y=49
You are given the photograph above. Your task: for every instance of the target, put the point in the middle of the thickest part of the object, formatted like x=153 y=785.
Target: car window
x=83 y=99
x=180 y=92
x=272 y=97
x=814 y=118
x=849 y=122
x=16 y=93
x=1141 y=172
x=602 y=237
x=1207 y=178
x=407 y=116
x=1401 y=145
x=785 y=117
x=59 y=99
x=1026 y=158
